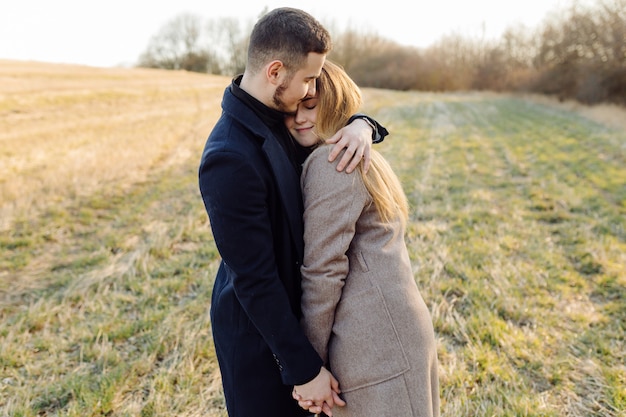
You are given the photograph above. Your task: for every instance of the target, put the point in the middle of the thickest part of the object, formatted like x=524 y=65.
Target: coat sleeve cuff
x=379 y=132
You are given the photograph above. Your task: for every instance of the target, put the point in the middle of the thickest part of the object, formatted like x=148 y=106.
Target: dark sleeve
x=235 y=196
x=379 y=131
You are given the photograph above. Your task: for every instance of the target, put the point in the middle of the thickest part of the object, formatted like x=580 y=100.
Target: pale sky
x=115 y=32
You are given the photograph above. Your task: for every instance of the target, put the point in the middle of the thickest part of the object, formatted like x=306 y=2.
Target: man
x=249 y=180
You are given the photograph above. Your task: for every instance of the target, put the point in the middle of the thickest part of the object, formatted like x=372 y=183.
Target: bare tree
x=351 y=44
x=583 y=53
x=579 y=52
x=179 y=45
x=230 y=43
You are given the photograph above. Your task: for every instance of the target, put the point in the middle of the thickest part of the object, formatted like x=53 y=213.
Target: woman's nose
x=299 y=118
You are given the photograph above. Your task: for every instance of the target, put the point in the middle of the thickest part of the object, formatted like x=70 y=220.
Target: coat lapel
x=289 y=186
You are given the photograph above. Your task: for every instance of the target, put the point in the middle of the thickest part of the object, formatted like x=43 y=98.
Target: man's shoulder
x=229 y=138
x=237 y=121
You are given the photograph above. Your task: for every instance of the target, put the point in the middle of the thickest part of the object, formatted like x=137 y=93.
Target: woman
x=362 y=309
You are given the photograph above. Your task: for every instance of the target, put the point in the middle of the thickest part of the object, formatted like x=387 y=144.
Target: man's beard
x=277 y=99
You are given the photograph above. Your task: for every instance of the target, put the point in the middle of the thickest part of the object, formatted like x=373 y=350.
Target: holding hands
x=319 y=394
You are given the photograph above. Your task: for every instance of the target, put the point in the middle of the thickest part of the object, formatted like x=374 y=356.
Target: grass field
x=517 y=235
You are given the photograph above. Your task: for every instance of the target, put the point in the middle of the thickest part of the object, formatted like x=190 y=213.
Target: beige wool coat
x=362 y=309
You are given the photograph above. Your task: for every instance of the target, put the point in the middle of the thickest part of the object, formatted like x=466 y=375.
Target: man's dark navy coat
x=251 y=191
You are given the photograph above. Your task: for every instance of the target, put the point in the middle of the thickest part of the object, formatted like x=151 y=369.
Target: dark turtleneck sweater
x=275 y=121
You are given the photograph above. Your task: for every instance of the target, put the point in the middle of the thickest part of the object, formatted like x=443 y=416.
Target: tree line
x=578 y=52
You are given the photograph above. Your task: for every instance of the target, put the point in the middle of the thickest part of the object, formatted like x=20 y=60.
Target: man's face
x=301 y=85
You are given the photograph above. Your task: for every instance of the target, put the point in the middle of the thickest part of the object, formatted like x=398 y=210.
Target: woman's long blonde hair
x=339 y=98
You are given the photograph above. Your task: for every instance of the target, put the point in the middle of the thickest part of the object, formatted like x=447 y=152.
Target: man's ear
x=274 y=71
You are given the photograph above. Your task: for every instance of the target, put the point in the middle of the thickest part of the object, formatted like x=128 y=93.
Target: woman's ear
x=274 y=72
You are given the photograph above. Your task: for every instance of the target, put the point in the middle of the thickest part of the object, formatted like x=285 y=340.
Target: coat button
x=280 y=367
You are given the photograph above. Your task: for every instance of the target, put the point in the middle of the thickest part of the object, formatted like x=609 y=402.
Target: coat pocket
x=364 y=348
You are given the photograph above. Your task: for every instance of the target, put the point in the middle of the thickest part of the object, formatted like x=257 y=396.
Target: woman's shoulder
x=318 y=171
x=318 y=159
x=323 y=149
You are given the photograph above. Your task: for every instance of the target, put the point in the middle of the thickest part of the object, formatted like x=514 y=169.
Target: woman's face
x=302 y=123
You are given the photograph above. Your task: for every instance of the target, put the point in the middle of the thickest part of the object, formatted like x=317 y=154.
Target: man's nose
x=312 y=90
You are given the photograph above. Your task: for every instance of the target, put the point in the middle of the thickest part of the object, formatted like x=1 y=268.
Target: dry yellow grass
x=609 y=114
x=98 y=194
x=68 y=131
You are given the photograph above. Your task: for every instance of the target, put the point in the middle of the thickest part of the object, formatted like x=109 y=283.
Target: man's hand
x=356 y=138
x=319 y=394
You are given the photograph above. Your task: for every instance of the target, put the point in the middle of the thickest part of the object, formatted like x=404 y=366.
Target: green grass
x=519 y=230
x=517 y=235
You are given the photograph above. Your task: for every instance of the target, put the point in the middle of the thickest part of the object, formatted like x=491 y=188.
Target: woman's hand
x=320 y=394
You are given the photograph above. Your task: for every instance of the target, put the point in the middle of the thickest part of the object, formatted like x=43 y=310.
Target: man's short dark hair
x=289 y=35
